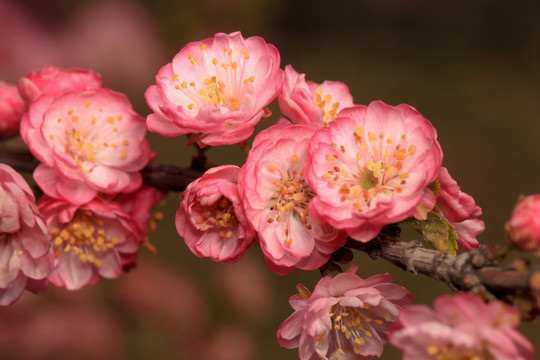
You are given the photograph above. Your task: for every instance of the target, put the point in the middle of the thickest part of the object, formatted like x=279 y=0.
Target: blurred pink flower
x=460 y=327
x=371 y=167
x=230 y=343
x=276 y=198
x=523 y=228
x=167 y=295
x=246 y=286
x=89 y=142
x=460 y=209
x=91 y=241
x=218 y=87
x=11 y=110
x=25 y=257
x=305 y=102
x=211 y=218
x=55 y=81
x=117 y=38
x=64 y=326
x=346 y=317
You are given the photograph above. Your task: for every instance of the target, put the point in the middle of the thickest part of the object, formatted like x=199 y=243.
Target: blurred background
x=471 y=67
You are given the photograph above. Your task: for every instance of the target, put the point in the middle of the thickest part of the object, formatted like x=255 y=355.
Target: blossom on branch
x=96 y=240
x=211 y=218
x=371 y=167
x=345 y=318
x=25 y=257
x=460 y=327
x=460 y=209
x=55 y=81
x=218 y=87
x=88 y=142
x=523 y=228
x=305 y=102
x=276 y=199
x=11 y=110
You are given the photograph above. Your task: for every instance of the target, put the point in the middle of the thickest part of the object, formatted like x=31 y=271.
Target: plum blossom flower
x=25 y=256
x=88 y=142
x=305 y=102
x=218 y=87
x=460 y=327
x=55 y=81
x=345 y=318
x=92 y=241
x=371 y=167
x=460 y=209
x=523 y=228
x=11 y=109
x=211 y=218
x=276 y=198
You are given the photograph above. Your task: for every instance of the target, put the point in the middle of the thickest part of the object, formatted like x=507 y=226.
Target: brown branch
x=166 y=177
x=478 y=271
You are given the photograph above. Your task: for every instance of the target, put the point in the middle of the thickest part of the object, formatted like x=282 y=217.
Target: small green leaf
x=437 y=231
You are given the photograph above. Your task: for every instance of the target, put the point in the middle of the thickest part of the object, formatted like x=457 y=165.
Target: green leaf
x=437 y=231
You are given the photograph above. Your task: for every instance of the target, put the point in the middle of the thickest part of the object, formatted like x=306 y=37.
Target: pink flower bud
x=460 y=209
x=11 y=110
x=523 y=229
x=25 y=257
x=55 y=81
x=218 y=87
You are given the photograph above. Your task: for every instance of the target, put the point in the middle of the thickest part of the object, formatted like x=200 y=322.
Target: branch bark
x=478 y=271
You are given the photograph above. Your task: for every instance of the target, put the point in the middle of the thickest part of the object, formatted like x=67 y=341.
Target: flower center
x=450 y=352
x=221 y=80
x=328 y=110
x=291 y=198
x=379 y=170
x=351 y=327
x=88 y=134
x=219 y=215
x=84 y=236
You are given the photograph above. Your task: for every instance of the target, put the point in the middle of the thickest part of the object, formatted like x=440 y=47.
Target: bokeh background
x=471 y=67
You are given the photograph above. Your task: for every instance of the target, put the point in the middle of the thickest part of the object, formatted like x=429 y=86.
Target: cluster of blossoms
x=330 y=171
x=92 y=217
x=327 y=171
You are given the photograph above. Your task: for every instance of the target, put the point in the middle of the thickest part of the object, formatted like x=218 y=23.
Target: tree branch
x=478 y=271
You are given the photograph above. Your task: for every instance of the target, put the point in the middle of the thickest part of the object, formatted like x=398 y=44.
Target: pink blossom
x=11 y=110
x=218 y=87
x=523 y=228
x=89 y=142
x=371 y=167
x=460 y=327
x=211 y=218
x=55 y=81
x=345 y=318
x=25 y=257
x=460 y=209
x=276 y=199
x=305 y=102
x=91 y=241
